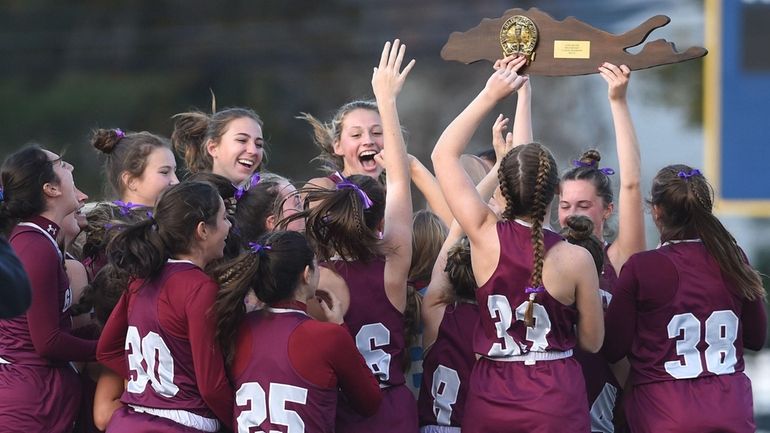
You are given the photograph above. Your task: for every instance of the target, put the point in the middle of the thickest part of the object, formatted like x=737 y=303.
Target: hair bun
x=105 y=140
x=591 y=157
x=579 y=227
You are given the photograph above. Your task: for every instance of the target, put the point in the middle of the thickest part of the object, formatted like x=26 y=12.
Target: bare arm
x=522 y=122
x=630 y=238
x=467 y=206
x=387 y=80
x=425 y=182
x=590 y=328
x=109 y=388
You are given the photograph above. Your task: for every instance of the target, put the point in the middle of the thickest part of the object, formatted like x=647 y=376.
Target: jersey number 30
x=150 y=359
x=720 y=355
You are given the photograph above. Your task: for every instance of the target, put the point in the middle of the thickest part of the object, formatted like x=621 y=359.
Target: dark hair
x=227 y=191
x=105 y=221
x=589 y=170
x=22 y=176
x=273 y=273
x=326 y=134
x=143 y=248
x=192 y=130
x=339 y=224
x=428 y=234
x=102 y=293
x=529 y=178
x=580 y=231
x=257 y=204
x=684 y=202
x=125 y=153
x=460 y=272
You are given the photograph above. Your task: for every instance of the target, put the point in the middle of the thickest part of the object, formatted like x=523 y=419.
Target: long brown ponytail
x=684 y=201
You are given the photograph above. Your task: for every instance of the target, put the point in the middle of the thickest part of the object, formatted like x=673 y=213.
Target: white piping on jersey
x=678 y=241
x=529 y=224
x=286 y=310
x=48 y=235
x=181 y=261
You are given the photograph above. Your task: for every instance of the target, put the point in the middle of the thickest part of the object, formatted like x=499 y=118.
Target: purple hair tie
x=125 y=208
x=686 y=175
x=253 y=180
x=2 y=196
x=119 y=133
x=539 y=289
x=259 y=248
x=606 y=170
x=346 y=184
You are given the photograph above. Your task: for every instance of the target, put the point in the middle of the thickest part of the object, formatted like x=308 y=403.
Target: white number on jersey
x=368 y=340
x=721 y=329
x=252 y=395
x=499 y=308
x=151 y=351
x=446 y=386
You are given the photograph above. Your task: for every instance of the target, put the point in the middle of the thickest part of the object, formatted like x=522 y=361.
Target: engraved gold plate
x=571 y=49
x=518 y=35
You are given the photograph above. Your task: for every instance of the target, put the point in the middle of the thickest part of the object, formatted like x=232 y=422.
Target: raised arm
x=630 y=238
x=387 y=80
x=434 y=305
x=522 y=122
x=467 y=206
x=425 y=182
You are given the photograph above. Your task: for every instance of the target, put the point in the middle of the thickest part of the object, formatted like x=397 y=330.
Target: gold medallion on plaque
x=518 y=35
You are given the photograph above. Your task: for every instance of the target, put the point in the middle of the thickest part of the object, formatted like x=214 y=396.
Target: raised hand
x=330 y=306
x=388 y=77
x=502 y=142
x=506 y=80
x=617 y=80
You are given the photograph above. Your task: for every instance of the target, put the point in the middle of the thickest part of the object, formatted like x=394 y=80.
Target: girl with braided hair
x=683 y=315
x=536 y=300
x=266 y=350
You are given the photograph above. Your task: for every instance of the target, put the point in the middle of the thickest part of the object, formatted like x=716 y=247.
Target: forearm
x=522 y=122
x=425 y=182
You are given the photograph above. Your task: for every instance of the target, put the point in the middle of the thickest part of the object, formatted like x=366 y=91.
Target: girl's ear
x=202 y=231
x=270 y=223
x=51 y=190
x=211 y=148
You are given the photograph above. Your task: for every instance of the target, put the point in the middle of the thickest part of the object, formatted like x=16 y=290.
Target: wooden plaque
x=568 y=47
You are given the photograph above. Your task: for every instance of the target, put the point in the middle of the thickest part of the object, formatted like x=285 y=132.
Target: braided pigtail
x=236 y=279
x=504 y=176
x=539 y=207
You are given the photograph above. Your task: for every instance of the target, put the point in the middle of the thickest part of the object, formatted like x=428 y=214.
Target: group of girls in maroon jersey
x=234 y=302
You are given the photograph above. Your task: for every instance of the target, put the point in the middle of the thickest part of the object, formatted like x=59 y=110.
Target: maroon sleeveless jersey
x=270 y=394
x=503 y=301
x=447 y=367
x=688 y=322
x=376 y=325
x=161 y=373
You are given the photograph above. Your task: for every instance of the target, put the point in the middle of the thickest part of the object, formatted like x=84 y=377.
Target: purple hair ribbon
x=119 y=133
x=2 y=196
x=346 y=184
x=125 y=208
x=259 y=248
x=540 y=289
x=253 y=180
x=686 y=175
x=606 y=170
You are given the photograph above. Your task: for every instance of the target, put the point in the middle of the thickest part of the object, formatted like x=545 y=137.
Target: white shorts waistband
x=186 y=418
x=532 y=357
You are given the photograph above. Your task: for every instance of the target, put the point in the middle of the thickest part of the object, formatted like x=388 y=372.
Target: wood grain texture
x=483 y=43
